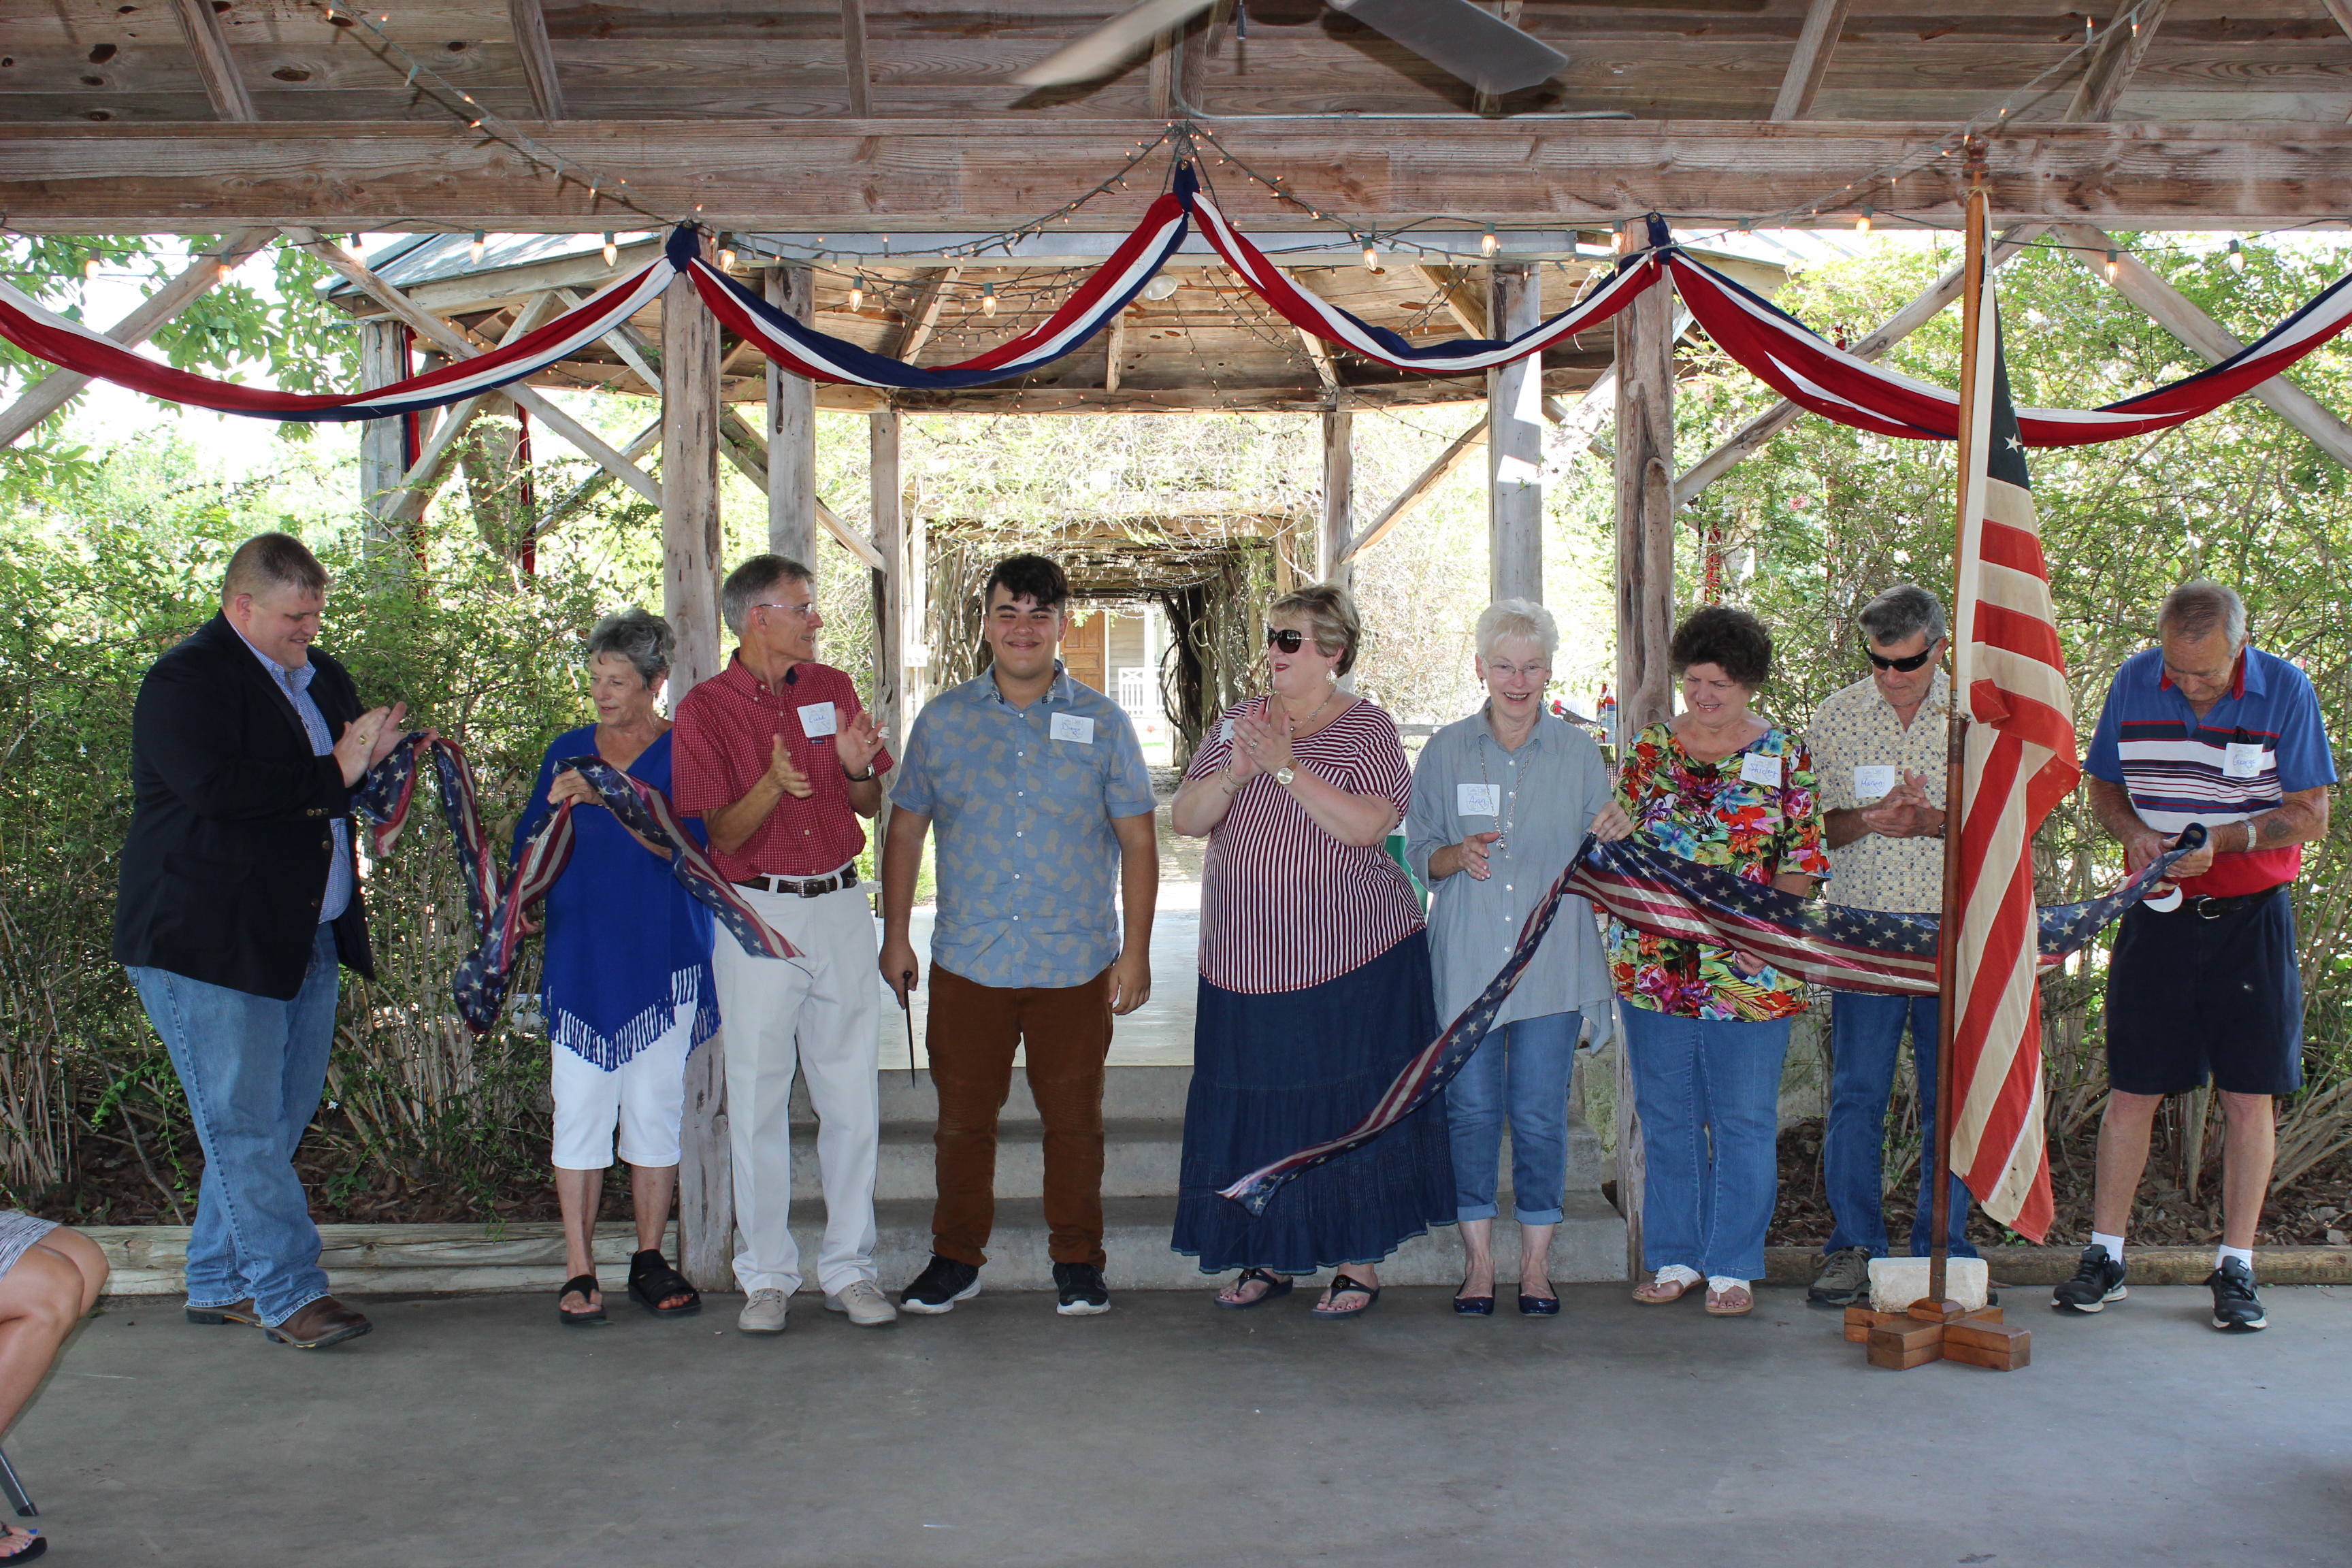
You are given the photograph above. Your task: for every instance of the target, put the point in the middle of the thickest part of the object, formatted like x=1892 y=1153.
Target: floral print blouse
x=1725 y=814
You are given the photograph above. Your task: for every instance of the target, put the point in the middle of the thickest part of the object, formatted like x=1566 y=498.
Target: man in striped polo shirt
x=2203 y=728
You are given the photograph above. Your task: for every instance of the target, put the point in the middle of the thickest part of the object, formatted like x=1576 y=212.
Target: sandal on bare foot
x=1329 y=1308
x=1231 y=1297
x=1733 y=1302
x=28 y=1543
x=1672 y=1284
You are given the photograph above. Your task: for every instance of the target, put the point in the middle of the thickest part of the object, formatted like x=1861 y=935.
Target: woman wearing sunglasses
x=1314 y=980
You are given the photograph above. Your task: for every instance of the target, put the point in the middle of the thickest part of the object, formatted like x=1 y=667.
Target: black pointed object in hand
x=906 y=1010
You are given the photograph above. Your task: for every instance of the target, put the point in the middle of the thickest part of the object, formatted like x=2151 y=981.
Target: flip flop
x=583 y=1284
x=1341 y=1285
x=1277 y=1286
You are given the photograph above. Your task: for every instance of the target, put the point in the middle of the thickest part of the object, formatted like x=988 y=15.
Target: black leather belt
x=2214 y=909
x=807 y=887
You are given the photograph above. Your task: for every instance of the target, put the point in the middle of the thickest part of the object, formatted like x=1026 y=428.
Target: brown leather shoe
x=239 y=1312
x=325 y=1322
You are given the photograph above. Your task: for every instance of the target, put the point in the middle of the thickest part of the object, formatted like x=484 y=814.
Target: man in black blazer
x=239 y=897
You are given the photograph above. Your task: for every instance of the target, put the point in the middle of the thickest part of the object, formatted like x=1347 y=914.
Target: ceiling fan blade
x=1477 y=46
x=1097 y=52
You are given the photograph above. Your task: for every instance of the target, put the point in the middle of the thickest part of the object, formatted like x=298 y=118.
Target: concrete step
x=1130 y=1094
x=1141 y=1160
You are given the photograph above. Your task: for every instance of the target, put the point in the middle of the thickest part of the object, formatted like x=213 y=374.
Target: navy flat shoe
x=1539 y=1306
x=1475 y=1305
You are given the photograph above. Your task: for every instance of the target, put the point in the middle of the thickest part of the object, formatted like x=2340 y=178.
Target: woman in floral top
x=1706 y=1027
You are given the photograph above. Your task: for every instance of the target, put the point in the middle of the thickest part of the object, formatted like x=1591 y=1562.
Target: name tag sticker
x=1225 y=730
x=1761 y=768
x=1072 y=727
x=819 y=719
x=2241 y=760
x=1873 y=783
x=1478 y=799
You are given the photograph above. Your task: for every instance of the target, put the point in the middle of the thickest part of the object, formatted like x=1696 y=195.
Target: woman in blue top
x=628 y=991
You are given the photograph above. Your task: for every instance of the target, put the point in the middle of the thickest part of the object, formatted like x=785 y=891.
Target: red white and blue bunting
x=1772 y=345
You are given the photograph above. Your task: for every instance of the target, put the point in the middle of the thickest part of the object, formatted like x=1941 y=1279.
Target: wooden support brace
x=1816 y=41
x=216 y=62
x=852 y=56
x=1464 y=300
x=1115 y=352
x=742 y=446
x=924 y=320
x=645 y=441
x=2116 y=60
x=424 y=477
x=538 y=58
x=1419 y=490
x=52 y=392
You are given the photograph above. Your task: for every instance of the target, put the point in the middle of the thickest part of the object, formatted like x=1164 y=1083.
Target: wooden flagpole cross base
x=1938 y=1330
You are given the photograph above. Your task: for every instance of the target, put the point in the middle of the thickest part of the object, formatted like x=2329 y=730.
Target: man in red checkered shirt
x=779 y=758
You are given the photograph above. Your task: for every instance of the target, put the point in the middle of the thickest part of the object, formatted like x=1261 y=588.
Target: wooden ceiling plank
x=2342 y=11
x=854 y=62
x=216 y=63
x=1824 y=19
x=2171 y=309
x=52 y=392
x=1419 y=490
x=2116 y=60
x=925 y=318
x=1466 y=302
x=529 y=21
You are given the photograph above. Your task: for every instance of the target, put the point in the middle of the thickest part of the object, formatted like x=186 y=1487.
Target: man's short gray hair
x=1516 y=618
x=2199 y=607
x=643 y=639
x=754 y=577
x=1902 y=613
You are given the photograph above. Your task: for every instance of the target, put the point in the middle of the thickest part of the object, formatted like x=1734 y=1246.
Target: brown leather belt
x=807 y=887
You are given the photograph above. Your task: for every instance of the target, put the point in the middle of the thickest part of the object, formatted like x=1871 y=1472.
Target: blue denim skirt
x=1275 y=1072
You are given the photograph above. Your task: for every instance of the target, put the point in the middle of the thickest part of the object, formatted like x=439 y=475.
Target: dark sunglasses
x=1906 y=665
x=1286 y=640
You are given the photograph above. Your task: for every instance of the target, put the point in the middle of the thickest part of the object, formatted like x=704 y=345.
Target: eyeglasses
x=1513 y=671
x=1906 y=665
x=1286 y=640
x=795 y=609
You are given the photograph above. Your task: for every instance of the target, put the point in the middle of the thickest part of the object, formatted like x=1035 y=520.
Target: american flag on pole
x=2019 y=762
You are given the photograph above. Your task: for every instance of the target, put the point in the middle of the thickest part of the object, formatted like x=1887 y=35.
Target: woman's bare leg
x=1477 y=1259
x=1535 y=1260
x=581 y=1193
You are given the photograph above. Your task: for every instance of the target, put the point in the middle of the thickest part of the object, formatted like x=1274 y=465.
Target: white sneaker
x=763 y=1313
x=865 y=1303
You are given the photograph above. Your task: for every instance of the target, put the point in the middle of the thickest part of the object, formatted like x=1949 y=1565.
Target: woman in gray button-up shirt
x=1500 y=801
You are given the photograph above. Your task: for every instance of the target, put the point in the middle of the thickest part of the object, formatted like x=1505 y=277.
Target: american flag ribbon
x=486 y=973
x=1665 y=895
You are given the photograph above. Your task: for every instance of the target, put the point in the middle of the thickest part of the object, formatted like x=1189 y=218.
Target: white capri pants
x=645 y=1095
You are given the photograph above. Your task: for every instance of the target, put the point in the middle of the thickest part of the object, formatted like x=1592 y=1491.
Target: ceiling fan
x=1455 y=34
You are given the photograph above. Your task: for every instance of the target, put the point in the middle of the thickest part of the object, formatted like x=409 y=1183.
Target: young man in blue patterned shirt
x=1038 y=789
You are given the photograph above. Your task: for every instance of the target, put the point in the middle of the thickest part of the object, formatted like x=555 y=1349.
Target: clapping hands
x=1904 y=811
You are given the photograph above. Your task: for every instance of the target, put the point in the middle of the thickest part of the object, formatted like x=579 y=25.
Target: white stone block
x=1897 y=1282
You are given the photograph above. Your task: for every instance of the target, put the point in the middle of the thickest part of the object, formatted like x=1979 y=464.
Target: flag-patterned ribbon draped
x=484 y=978
x=1773 y=345
x=2019 y=762
x=1667 y=895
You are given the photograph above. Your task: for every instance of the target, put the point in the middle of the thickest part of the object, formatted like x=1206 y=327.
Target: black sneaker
x=2236 y=1309
x=2098 y=1279
x=1082 y=1288
x=1844 y=1277
x=939 y=1286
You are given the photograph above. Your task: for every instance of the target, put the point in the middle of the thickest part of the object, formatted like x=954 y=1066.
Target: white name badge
x=819 y=719
x=1873 y=783
x=1225 y=730
x=1478 y=799
x=1761 y=768
x=1071 y=727
x=2242 y=761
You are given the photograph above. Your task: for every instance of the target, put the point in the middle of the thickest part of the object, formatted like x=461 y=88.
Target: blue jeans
x=253 y=1068
x=1865 y=1033
x=1523 y=1068
x=1709 y=1091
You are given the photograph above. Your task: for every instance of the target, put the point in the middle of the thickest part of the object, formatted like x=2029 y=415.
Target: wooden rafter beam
x=529 y=21
x=1419 y=490
x=1465 y=301
x=1114 y=352
x=53 y=390
x=742 y=445
x=216 y=62
x=1816 y=42
x=1167 y=62
x=924 y=320
x=2116 y=60
x=2172 y=311
x=452 y=342
x=853 y=59
x=2342 y=11
x=415 y=492
x=878 y=175
x=645 y=441
x=625 y=340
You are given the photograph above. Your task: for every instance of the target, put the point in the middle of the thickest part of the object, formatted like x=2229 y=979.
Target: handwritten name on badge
x=1873 y=783
x=1478 y=799
x=2241 y=760
x=1072 y=727
x=819 y=719
x=1761 y=768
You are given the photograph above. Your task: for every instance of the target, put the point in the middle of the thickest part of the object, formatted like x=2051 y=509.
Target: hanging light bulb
x=727 y=253
x=1861 y=224
x=2112 y=262
x=988 y=300
x=1488 y=243
x=2237 y=257
x=90 y=270
x=611 y=251
x=1371 y=255
x=474 y=251
x=857 y=293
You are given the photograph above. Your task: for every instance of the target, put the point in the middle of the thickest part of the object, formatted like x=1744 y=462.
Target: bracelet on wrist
x=865 y=777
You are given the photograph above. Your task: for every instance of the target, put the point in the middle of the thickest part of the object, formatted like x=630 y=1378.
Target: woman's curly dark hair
x=1733 y=641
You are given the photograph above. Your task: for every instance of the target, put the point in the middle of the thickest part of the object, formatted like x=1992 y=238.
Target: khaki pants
x=970 y=1036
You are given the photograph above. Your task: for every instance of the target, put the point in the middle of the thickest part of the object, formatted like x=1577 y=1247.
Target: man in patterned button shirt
x=1037 y=786
x=1879 y=748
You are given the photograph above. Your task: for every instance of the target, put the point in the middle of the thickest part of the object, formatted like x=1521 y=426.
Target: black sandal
x=1331 y=1311
x=39 y=1547
x=583 y=1284
x=1276 y=1287
x=653 y=1281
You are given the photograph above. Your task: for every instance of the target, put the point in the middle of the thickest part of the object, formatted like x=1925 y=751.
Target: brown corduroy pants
x=970 y=1036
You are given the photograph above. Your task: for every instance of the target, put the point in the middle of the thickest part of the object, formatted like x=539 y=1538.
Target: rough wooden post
x=1645 y=610
x=691 y=570
x=792 y=431
x=1515 y=440
x=383 y=456
x=1339 y=528
x=889 y=610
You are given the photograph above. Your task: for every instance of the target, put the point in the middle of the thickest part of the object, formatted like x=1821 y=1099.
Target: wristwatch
x=1284 y=775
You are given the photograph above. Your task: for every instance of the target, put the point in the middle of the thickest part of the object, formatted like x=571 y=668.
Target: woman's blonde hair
x=1330 y=612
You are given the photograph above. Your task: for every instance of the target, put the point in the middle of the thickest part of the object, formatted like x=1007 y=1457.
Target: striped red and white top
x=1283 y=905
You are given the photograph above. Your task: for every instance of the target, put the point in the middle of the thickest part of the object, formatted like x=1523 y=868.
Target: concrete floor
x=474 y=1431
